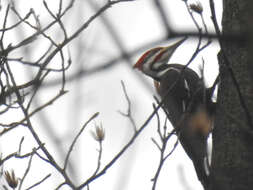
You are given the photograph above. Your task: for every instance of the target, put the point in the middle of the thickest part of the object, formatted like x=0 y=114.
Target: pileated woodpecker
x=186 y=100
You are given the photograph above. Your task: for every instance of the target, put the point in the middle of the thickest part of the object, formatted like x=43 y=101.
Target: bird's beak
x=169 y=50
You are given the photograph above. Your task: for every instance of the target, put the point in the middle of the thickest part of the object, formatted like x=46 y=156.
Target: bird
x=186 y=100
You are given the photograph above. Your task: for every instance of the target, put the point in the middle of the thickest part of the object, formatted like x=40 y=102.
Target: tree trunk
x=232 y=159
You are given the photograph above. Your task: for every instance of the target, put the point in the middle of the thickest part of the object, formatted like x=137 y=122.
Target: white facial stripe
x=147 y=65
x=157 y=65
x=161 y=73
x=164 y=58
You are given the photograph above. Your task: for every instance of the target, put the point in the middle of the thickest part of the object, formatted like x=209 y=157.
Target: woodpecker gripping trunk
x=186 y=101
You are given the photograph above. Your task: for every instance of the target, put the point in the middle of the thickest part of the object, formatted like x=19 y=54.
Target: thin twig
x=26 y=172
x=192 y=17
x=36 y=110
x=75 y=139
x=158 y=121
x=162 y=157
x=20 y=145
x=39 y=182
x=4 y=26
x=34 y=134
x=99 y=158
x=128 y=114
x=18 y=23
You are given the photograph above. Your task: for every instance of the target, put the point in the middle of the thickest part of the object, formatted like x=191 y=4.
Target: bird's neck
x=157 y=70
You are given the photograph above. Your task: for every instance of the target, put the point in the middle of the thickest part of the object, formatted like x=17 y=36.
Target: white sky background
x=136 y=24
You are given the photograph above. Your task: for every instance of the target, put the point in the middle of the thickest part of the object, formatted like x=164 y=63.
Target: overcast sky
x=136 y=23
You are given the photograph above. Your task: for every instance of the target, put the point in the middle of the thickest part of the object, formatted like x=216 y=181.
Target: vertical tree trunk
x=232 y=163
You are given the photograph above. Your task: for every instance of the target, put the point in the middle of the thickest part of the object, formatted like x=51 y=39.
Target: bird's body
x=186 y=101
x=182 y=86
x=183 y=96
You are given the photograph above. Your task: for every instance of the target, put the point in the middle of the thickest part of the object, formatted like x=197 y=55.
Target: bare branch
x=128 y=114
x=75 y=139
x=26 y=172
x=39 y=182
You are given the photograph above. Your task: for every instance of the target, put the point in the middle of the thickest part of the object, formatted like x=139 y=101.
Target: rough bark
x=232 y=160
